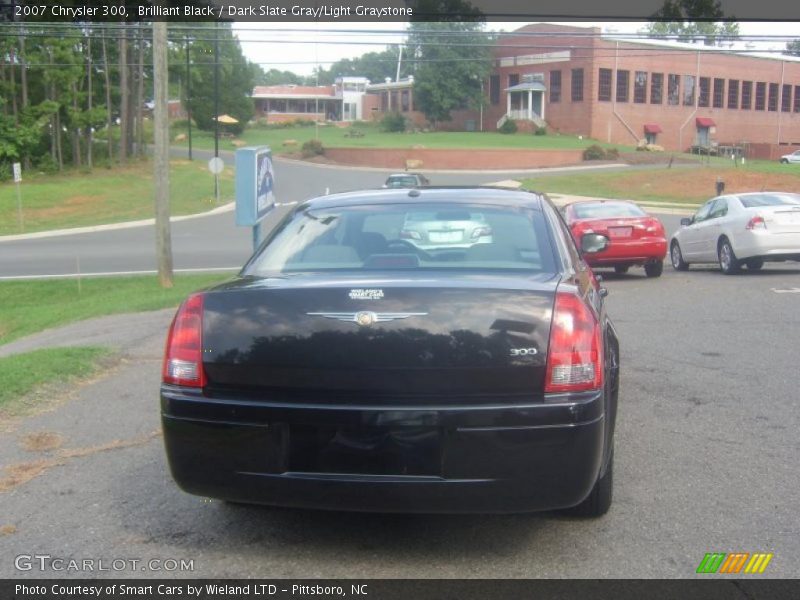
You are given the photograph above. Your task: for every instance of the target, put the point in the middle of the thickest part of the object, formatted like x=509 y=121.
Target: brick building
x=675 y=95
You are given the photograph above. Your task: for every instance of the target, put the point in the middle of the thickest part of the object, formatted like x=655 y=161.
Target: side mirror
x=592 y=243
x=685 y=222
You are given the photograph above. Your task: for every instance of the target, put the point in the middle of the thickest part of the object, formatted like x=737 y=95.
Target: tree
x=792 y=48
x=449 y=59
x=693 y=21
x=235 y=78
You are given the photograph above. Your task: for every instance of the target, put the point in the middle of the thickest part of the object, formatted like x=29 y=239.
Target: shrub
x=612 y=154
x=312 y=148
x=508 y=126
x=594 y=152
x=393 y=122
x=540 y=131
x=47 y=164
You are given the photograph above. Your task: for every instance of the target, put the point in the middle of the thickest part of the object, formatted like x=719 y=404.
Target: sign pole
x=17 y=168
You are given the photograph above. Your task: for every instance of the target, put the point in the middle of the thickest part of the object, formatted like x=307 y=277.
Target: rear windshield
x=402 y=180
x=607 y=210
x=770 y=200
x=408 y=236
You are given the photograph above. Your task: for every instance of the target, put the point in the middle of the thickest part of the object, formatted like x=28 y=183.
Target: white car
x=794 y=157
x=740 y=229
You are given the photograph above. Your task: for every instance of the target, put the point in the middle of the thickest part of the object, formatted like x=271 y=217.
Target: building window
x=786 y=98
x=773 y=96
x=733 y=93
x=513 y=79
x=623 y=83
x=577 y=85
x=761 y=95
x=704 y=95
x=719 y=92
x=747 y=95
x=797 y=98
x=656 y=88
x=673 y=89
x=555 y=86
x=494 y=89
x=404 y=100
x=640 y=87
x=688 y=90
x=604 y=85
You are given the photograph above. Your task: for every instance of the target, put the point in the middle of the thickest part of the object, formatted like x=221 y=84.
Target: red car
x=635 y=238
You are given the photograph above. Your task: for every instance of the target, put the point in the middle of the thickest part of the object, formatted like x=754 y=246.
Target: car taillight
x=481 y=231
x=756 y=223
x=183 y=356
x=410 y=235
x=574 y=356
x=654 y=226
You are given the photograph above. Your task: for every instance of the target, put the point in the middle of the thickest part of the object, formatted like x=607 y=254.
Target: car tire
x=754 y=264
x=784 y=161
x=654 y=269
x=599 y=499
x=676 y=257
x=621 y=269
x=728 y=263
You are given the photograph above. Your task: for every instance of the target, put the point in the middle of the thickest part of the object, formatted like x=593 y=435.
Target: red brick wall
x=770 y=151
x=493 y=159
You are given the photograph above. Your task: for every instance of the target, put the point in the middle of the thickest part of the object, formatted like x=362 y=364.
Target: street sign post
x=255 y=187
x=17 y=168
x=216 y=165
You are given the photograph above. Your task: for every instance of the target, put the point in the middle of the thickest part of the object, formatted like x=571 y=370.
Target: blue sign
x=255 y=185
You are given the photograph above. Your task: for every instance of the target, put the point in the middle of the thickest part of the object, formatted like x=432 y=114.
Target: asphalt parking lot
x=706 y=454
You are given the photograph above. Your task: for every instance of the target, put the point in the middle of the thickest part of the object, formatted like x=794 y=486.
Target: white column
x=543 y=99
x=508 y=104
x=530 y=105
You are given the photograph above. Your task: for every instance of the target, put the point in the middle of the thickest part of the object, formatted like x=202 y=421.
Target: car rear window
x=607 y=210
x=408 y=236
x=770 y=200
x=403 y=180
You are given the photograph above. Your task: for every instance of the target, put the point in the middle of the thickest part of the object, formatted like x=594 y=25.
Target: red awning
x=705 y=122
x=652 y=128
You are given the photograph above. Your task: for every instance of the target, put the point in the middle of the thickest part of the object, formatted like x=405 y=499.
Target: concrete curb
x=113 y=226
x=453 y=171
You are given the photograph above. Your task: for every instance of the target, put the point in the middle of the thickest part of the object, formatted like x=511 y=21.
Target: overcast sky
x=298 y=47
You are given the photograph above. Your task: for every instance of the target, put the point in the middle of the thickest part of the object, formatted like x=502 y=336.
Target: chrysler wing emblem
x=366 y=317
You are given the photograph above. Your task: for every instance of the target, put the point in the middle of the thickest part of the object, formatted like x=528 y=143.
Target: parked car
x=636 y=238
x=406 y=180
x=740 y=229
x=443 y=230
x=345 y=368
x=794 y=157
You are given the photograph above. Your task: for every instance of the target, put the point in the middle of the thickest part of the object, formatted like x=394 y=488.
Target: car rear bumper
x=488 y=458
x=767 y=244
x=630 y=252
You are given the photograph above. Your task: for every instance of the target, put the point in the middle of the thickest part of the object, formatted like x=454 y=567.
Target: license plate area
x=446 y=236
x=364 y=450
x=620 y=232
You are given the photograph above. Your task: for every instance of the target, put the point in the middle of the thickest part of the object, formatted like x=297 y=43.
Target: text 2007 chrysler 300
x=348 y=368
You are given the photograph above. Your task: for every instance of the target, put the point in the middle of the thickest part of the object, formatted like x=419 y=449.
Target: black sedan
x=347 y=368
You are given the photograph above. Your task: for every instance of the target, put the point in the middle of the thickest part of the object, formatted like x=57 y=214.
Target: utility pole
x=161 y=155
x=216 y=107
x=188 y=96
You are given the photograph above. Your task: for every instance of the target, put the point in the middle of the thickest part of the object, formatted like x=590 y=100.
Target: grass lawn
x=21 y=374
x=75 y=198
x=678 y=184
x=30 y=306
x=333 y=137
